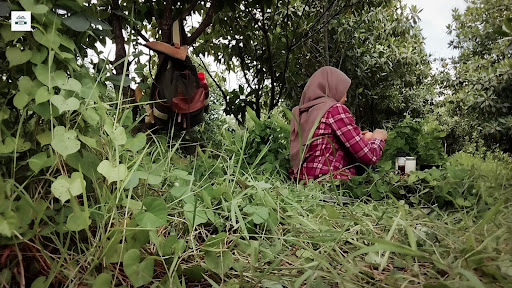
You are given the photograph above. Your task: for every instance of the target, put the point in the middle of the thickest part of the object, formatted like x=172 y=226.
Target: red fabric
x=340 y=146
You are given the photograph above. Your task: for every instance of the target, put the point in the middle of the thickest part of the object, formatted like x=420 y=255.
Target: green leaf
x=87 y=164
x=45 y=138
x=139 y=273
x=9 y=35
x=77 y=22
x=219 y=265
x=22 y=146
x=64 y=104
x=40 y=282
x=21 y=100
x=259 y=214
x=91 y=116
x=40 y=161
x=136 y=143
x=113 y=253
x=200 y=215
x=8 y=223
x=48 y=78
x=118 y=135
x=104 y=280
x=64 y=187
x=508 y=24
x=88 y=141
x=16 y=56
x=4 y=113
x=215 y=241
x=31 y=6
x=112 y=173
x=51 y=39
x=39 y=55
x=78 y=221
x=68 y=42
x=155 y=214
x=43 y=95
x=64 y=142
x=73 y=85
x=8 y=145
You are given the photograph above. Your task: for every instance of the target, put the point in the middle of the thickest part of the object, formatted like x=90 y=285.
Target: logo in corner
x=21 y=21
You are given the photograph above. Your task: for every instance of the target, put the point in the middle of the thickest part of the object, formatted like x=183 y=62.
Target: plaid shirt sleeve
x=342 y=122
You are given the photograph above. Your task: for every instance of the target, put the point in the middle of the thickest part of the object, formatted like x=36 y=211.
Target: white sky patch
x=435 y=16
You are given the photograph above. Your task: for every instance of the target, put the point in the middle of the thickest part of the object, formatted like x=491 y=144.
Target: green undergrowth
x=213 y=220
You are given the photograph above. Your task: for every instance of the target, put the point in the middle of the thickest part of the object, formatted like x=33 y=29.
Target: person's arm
x=366 y=152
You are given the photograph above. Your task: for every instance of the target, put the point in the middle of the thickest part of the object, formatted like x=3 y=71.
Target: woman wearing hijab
x=337 y=144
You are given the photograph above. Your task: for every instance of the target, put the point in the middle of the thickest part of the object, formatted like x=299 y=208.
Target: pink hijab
x=324 y=89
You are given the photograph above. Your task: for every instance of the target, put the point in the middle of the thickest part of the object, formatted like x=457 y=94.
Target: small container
x=400 y=161
x=410 y=164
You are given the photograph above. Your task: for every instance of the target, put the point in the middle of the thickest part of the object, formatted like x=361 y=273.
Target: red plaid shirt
x=348 y=147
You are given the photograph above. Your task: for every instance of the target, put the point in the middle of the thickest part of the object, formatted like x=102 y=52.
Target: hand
x=380 y=134
x=367 y=135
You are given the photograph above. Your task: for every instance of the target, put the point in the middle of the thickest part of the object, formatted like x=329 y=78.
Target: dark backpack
x=181 y=99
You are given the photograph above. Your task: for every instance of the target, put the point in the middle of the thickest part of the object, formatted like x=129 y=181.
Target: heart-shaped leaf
x=21 y=100
x=16 y=56
x=73 y=85
x=64 y=104
x=27 y=86
x=78 y=221
x=39 y=55
x=9 y=35
x=22 y=146
x=64 y=187
x=136 y=143
x=77 y=22
x=43 y=95
x=8 y=145
x=31 y=6
x=104 y=280
x=139 y=273
x=64 y=142
x=8 y=223
x=117 y=135
x=219 y=265
x=200 y=214
x=154 y=215
x=87 y=164
x=51 y=39
x=45 y=138
x=49 y=78
x=111 y=172
x=40 y=161
x=259 y=214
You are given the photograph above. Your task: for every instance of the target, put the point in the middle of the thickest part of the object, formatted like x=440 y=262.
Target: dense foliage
x=85 y=203
x=478 y=100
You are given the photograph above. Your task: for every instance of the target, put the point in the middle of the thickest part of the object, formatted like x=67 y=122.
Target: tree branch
x=141 y=35
x=224 y=95
x=207 y=21
x=118 y=36
x=189 y=10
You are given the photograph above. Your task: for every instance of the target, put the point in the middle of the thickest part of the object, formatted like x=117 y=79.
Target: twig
x=207 y=21
x=22 y=270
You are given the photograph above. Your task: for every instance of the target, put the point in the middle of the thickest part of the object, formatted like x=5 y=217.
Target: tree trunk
x=118 y=37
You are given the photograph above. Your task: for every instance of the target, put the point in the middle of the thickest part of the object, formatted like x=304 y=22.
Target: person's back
x=337 y=143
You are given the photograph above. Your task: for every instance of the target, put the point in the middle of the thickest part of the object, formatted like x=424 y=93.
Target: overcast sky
x=435 y=16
